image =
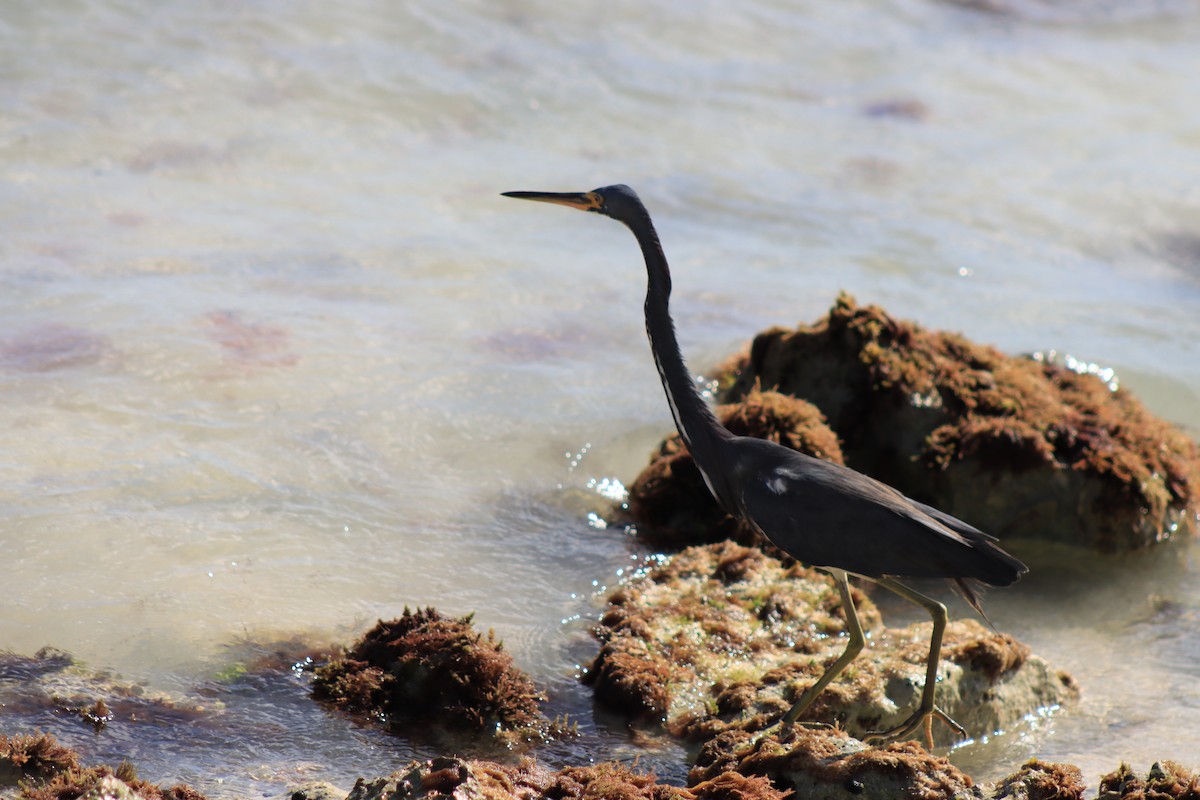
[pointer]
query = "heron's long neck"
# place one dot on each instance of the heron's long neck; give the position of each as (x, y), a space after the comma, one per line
(694, 419)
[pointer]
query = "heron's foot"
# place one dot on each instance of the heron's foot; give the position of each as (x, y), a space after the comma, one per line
(922, 716)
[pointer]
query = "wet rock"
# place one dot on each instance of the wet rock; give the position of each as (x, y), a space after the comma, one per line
(829, 763)
(424, 666)
(1041, 780)
(315, 790)
(670, 503)
(49, 771)
(704, 614)
(460, 779)
(1164, 781)
(723, 637)
(1021, 447)
(736, 766)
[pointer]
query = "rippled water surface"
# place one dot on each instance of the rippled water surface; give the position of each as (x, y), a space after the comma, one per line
(275, 356)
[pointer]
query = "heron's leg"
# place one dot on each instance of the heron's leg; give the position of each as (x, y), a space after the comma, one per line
(853, 648)
(926, 709)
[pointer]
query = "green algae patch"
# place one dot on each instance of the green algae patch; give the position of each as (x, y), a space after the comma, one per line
(724, 637)
(1020, 446)
(670, 503)
(424, 666)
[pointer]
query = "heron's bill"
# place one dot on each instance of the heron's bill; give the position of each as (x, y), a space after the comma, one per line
(586, 201)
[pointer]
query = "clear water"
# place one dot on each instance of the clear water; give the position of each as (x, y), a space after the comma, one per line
(276, 357)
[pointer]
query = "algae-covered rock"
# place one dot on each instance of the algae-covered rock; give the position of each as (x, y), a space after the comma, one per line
(1020, 447)
(46, 770)
(723, 637)
(314, 790)
(467, 779)
(33, 757)
(669, 501)
(707, 615)
(1163, 781)
(1042, 780)
(828, 763)
(426, 666)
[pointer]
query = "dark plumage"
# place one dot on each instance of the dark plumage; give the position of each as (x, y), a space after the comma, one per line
(823, 514)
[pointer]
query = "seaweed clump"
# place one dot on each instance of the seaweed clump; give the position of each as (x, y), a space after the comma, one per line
(36, 757)
(1164, 781)
(829, 763)
(1021, 446)
(1042, 780)
(47, 770)
(669, 501)
(424, 665)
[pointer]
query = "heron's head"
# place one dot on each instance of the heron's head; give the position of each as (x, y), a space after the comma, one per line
(619, 201)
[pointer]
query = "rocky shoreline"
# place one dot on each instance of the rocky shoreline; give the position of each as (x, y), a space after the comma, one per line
(710, 645)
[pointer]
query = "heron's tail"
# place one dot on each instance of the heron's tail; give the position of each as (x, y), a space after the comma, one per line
(971, 593)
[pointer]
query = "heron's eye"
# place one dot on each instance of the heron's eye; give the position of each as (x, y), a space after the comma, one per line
(597, 200)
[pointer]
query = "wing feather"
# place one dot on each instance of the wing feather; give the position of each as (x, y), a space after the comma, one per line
(828, 515)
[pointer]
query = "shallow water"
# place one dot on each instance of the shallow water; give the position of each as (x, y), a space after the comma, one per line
(276, 357)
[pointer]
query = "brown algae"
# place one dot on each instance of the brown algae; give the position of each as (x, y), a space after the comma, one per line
(426, 666)
(725, 637)
(1021, 447)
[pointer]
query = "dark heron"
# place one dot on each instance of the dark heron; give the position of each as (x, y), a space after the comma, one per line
(823, 514)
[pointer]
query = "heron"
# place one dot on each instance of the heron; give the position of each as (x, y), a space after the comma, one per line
(823, 514)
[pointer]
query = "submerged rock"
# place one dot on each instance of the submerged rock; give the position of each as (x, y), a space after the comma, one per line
(424, 666)
(51, 346)
(723, 637)
(50, 684)
(1021, 447)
